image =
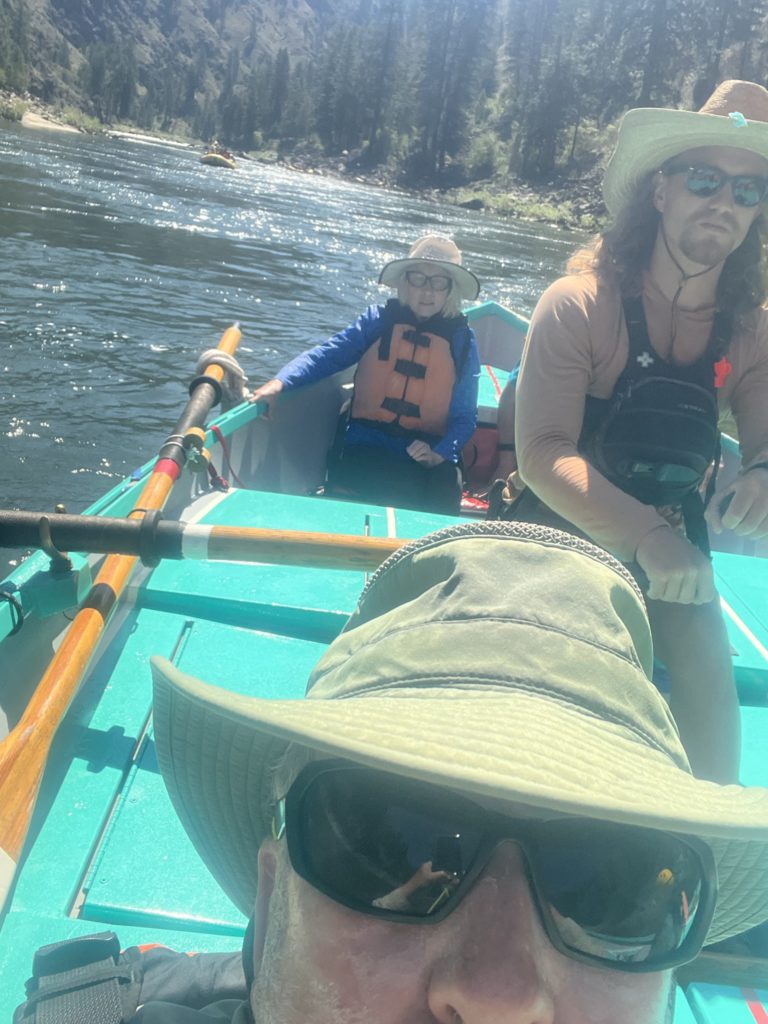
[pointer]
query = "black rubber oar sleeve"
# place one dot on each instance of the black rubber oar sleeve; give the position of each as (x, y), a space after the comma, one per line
(151, 538)
(204, 394)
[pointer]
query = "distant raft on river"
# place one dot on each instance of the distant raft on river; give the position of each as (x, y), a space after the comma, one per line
(217, 157)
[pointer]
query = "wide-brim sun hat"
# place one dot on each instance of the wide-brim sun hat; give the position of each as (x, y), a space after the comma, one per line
(444, 253)
(502, 660)
(735, 115)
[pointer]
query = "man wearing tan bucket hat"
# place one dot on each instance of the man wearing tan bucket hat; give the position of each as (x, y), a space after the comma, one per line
(415, 399)
(658, 333)
(481, 812)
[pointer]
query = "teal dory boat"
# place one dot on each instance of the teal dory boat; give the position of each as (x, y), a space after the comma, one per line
(90, 841)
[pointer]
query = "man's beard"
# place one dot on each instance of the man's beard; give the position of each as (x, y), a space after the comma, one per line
(708, 250)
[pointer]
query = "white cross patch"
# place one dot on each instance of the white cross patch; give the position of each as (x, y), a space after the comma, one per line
(646, 359)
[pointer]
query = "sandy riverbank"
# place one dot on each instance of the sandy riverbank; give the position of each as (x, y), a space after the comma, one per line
(149, 140)
(30, 119)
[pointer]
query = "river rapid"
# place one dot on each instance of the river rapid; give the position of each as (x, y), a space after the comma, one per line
(123, 261)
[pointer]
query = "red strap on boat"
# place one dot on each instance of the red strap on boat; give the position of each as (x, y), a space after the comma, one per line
(494, 380)
(218, 482)
(755, 1004)
(473, 503)
(225, 449)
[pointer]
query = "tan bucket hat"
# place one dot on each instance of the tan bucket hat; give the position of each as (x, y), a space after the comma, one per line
(504, 660)
(735, 115)
(445, 254)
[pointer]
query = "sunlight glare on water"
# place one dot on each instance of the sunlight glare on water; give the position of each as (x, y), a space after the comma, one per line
(123, 261)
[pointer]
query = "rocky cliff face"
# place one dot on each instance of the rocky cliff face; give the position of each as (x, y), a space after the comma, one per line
(170, 33)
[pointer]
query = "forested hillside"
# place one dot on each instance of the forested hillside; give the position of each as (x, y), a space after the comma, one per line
(446, 91)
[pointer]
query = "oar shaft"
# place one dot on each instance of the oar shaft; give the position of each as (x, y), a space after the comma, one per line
(174, 540)
(286, 547)
(24, 752)
(204, 394)
(156, 490)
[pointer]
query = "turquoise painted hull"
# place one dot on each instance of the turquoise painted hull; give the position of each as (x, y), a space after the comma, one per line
(106, 850)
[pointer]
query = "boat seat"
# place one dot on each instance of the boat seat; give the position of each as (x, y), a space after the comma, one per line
(146, 870)
(288, 451)
(743, 587)
(754, 764)
(310, 603)
(500, 335)
(720, 1004)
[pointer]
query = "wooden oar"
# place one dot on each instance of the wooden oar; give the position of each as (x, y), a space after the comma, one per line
(24, 752)
(739, 970)
(154, 538)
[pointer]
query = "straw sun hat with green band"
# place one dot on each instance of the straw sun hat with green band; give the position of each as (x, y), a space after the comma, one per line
(735, 115)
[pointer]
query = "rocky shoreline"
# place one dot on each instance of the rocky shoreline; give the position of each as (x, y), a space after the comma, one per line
(570, 203)
(574, 203)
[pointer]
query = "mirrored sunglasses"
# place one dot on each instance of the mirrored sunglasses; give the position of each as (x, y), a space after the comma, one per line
(704, 181)
(438, 282)
(617, 896)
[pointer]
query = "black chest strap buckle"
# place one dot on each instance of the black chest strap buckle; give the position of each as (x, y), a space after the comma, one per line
(82, 979)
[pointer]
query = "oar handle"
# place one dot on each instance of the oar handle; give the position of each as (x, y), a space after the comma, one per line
(732, 969)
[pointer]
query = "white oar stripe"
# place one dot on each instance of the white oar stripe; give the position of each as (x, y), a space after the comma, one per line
(7, 871)
(391, 522)
(194, 541)
(744, 628)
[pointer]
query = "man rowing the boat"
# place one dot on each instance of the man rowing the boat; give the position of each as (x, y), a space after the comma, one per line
(415, 399)
(658, 330)
(481, 812)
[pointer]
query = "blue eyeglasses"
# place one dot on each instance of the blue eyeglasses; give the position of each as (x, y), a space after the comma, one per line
(704, 181)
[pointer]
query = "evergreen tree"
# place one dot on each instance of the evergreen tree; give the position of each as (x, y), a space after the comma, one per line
(14, 45)
(278, 91)
(456, 43)
(442, 89)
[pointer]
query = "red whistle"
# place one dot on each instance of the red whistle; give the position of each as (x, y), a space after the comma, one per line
(722, 370)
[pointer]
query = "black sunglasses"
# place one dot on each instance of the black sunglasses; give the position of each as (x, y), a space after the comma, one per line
(704, 181)
(438, 282)
(617, 896)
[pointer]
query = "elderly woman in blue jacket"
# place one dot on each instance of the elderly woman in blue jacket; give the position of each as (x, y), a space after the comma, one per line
(415, 397)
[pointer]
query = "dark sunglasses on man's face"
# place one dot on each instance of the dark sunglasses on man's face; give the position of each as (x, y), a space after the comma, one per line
(704, 181)
(615, 896)
(438, 282)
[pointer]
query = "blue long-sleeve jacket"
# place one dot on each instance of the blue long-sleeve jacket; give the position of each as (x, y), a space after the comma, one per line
(346, 348)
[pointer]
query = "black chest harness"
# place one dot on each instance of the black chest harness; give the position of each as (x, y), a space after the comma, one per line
(657, 435)
(88, 980)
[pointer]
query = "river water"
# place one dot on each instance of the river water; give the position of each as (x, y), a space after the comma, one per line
(123, 261)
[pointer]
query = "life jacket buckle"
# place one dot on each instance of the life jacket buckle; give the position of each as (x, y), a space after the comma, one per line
(58, 957)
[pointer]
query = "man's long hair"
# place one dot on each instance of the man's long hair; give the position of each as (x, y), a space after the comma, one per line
(623, 251)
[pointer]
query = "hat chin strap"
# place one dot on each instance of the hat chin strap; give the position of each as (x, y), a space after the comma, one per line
(684, 279)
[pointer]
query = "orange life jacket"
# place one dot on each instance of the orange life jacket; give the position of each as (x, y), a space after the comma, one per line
(405, 380)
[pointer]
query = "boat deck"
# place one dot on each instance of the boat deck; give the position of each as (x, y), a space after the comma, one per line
(257, 629)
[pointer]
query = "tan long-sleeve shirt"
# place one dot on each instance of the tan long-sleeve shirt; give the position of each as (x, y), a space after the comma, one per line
(577, 346)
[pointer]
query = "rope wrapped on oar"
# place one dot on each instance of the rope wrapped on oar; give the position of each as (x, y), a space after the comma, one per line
(234, 384)
(24, 752)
